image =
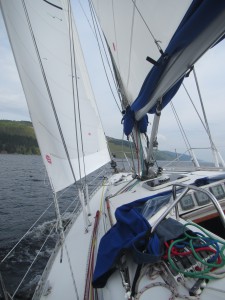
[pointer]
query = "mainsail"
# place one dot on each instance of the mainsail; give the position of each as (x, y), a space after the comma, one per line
(172, 35)
(51, 66)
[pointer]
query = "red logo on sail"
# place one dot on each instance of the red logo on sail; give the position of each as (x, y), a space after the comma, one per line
(48, 158)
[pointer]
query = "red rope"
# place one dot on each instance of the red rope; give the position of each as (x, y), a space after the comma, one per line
(185, 253)
(88, 284)
(109, 212)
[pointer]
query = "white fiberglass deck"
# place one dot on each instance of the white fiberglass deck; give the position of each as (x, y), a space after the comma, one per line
(67, 280)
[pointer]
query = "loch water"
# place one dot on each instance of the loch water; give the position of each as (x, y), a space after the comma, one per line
(25, 193)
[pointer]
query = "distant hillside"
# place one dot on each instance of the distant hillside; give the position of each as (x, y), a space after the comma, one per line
(118, 146)
(19, 137)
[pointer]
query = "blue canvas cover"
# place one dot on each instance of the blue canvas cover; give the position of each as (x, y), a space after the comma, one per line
(207, 180)
(129, 121)
(127, 234)
(143, 124)
(198, 17)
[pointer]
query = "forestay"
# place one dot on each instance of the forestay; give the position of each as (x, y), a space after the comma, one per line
(57, 88)
(173, 34)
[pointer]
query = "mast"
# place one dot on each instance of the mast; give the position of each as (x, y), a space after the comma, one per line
(153, 138)
(172, 45)
(125, 103)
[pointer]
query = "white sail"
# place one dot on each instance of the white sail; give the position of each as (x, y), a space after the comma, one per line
(60, 98)
(172, 34)
(131, 35)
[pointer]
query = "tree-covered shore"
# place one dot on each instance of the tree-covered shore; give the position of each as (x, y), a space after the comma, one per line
(18, 137)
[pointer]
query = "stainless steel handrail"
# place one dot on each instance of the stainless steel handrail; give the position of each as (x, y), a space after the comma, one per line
(184, 192)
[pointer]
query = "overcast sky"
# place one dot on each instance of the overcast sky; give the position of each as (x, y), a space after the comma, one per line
(211, 75)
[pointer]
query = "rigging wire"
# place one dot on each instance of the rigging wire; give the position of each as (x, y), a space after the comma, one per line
(86, 17)
(59, 128)
(188, 146)
(74, 68)
(95, 35)
(122, 94)
(28, 231)
(200, 118)
(43, 213)
(131, 151)
(137, 149)
(114, 27)
(131, 40)
(126, 158)
(203, 110)
(58, 124)
(152, 35)
(95, 24)
(186, 141)
(71, 271)
(216, 155)
(54, 226)
(124, 154)
(38, 253)
(214, 149)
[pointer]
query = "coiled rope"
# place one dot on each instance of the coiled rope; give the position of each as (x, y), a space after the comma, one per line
(197, 243)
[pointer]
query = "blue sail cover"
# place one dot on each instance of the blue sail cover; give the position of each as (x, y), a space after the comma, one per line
(200, 15)
(129, 121)
(207, 180)
(131, 228)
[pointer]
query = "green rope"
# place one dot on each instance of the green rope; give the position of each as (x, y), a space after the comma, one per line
(206, 272)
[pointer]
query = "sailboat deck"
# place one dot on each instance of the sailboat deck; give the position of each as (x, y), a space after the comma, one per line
(70, 276)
